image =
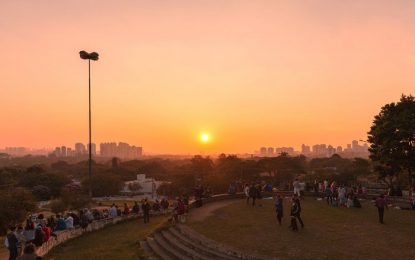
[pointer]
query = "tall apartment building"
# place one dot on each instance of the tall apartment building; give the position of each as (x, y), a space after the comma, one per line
(80, 149)
(305, 149)
(122, 150)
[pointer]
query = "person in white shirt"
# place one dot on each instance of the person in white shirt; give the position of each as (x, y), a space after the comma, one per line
(296, 186)
(246, 191)
(69, 222)
(113, 211)
(342, 196)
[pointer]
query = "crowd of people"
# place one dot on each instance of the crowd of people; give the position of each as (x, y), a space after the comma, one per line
(341, 196)
(38, 229)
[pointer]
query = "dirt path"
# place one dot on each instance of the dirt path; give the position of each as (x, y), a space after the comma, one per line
(199, 214)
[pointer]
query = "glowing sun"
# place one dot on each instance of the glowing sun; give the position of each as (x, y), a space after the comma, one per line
(204, 138)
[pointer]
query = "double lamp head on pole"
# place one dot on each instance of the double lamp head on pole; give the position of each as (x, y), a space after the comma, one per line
(89, 56)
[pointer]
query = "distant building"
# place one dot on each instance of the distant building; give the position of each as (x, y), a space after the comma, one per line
(16, 151)
(63, 151)
(57, 152)
(70, 152)
(320, 150)
(270, 151)
(288, 150)
(142, 185)
(93, 149)
(263, 151)
(80, 149)
(330, 151)
(305, 149)
(122, 150)
(339, 149)
(355, 145)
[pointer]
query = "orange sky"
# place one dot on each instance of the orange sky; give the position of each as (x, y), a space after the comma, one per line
(250, 73)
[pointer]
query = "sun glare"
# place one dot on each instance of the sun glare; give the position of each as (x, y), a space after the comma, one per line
(204, 138)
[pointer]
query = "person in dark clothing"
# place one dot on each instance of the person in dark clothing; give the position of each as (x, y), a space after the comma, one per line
(279, 208)
(84, 219)
(294, 212)
(329, 196)
(298, 215)
(253, 194)
(258, 193)
(380, 203)
(39, 236)
(356, 202)
(145, 207)
(12, 244)
(76, 220)
(198, 193)
(136, 208)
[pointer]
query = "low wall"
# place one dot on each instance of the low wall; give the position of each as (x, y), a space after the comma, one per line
(65, 235)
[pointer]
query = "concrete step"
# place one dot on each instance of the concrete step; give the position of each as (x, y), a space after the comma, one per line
(206, 242)
(213, 245)
(182, 247)
(151, 256)
(198, 246)
(157, 250)
(169, 248)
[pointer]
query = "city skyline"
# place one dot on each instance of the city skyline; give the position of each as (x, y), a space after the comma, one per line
(106, 149)
(82, 149)
(245, 72)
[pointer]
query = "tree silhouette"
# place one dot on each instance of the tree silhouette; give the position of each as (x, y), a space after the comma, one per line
(392, 139)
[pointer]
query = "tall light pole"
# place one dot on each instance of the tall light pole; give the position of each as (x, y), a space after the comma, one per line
(89, 56)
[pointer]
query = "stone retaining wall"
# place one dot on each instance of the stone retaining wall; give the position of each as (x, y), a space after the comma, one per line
(65, 235)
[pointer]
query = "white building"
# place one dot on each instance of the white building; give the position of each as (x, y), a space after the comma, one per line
(147, 186)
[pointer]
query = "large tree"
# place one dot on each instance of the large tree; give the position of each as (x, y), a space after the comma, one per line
(392, 139)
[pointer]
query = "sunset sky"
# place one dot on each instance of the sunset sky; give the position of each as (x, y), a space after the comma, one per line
(248, 73)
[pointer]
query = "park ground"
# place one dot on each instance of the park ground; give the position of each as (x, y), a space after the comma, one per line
(329, 233)
(119, 241)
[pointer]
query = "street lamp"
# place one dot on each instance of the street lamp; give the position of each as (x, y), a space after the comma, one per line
(89, 56)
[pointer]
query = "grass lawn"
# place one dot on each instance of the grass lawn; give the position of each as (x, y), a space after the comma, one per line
(330, 233)
(119, 241)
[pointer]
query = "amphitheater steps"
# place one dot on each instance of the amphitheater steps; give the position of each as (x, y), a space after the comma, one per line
(182, 242)
(156, 250)
(197, 246)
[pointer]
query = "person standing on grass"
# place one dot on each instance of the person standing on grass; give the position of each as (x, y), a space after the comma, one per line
(381, 203)
(146, 211)
(298, 215)
(11, 242)
(246, 191)
(296, 186)
(294, 212)
(279, 207)
(329, 196)
(253, 194)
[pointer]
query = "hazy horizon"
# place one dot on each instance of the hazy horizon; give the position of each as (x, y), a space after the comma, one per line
(247, 73)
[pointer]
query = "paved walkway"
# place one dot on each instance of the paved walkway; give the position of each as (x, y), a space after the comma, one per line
(199, 214)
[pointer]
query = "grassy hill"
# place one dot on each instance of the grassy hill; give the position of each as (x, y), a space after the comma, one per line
(329, 233)
(120, 241)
